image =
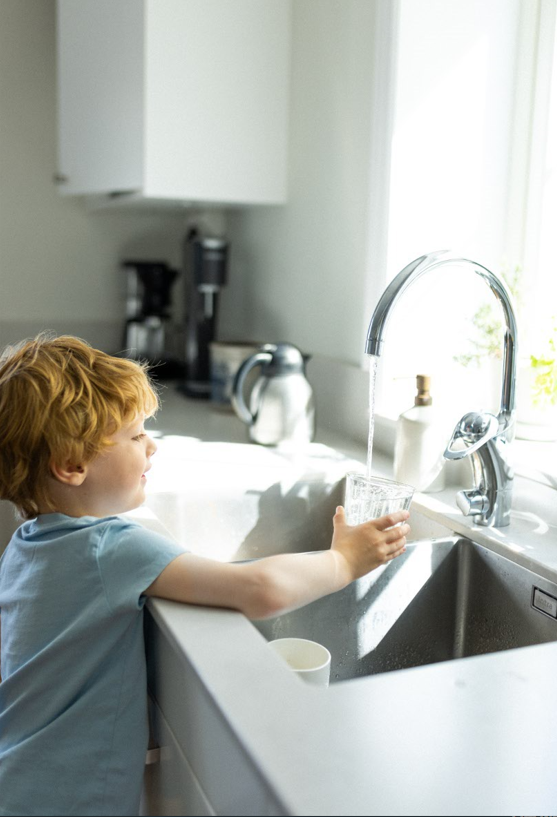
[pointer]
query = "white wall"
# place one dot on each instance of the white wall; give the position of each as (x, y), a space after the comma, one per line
(59, 264)
(298, 270)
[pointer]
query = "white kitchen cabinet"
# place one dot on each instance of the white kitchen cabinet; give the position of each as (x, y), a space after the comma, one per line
(182, 100)
(170, 786)
(203, 767)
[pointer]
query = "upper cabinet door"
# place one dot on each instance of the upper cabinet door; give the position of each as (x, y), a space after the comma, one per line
(174, 99)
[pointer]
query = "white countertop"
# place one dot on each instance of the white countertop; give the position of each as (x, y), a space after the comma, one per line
(472, 736)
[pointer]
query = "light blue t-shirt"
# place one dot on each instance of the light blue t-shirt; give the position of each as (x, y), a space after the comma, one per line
(73, 717)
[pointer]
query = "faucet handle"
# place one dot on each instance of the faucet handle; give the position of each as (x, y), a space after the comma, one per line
(472, 503)
(475, 428)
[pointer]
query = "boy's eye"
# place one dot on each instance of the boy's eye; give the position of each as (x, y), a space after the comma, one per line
(139, 436)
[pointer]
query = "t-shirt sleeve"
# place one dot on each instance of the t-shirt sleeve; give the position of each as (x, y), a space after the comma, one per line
(130, 558)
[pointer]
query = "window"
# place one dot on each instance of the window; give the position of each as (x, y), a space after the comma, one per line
(471, 84)
(540, 212)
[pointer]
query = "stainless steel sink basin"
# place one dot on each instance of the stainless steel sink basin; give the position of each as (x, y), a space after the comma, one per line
(443, 599)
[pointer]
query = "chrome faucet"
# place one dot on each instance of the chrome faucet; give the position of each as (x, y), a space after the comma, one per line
(480, 435)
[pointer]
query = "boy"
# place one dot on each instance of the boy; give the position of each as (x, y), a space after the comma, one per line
(75, 577)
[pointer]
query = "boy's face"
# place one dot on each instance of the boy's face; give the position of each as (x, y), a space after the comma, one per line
(115, 481)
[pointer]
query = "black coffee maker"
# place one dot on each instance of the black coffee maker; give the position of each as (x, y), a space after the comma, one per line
(205, 268)
(149, 329)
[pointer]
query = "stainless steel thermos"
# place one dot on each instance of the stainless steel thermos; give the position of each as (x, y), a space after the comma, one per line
(281, 404)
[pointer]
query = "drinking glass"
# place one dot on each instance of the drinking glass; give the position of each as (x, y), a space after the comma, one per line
(371, 497)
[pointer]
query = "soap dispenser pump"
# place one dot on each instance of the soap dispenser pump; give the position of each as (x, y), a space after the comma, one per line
(420, 442)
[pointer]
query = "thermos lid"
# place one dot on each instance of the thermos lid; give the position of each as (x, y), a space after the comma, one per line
(285, 359)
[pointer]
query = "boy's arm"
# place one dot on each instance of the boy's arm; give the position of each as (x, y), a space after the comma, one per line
(273, 585)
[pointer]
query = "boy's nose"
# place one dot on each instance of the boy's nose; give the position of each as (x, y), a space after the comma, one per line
(151, 447)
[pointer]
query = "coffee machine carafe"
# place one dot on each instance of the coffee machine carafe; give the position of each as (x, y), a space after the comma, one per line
(148, 323)
(205, 264)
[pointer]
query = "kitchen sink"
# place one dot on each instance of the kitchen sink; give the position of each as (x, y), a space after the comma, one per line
(444, 599)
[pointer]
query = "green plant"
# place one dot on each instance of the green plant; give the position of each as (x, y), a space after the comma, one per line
(486, 341)
(544, 382)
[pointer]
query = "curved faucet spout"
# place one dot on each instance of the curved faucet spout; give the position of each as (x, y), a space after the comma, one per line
(410, 273)
(419, 267)
(486, 438)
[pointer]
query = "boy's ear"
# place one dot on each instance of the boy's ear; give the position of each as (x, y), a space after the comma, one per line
(68, 473)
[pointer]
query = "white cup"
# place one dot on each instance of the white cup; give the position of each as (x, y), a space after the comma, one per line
(308, 659)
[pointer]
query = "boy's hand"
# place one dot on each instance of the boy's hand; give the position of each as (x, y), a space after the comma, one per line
(367, 546)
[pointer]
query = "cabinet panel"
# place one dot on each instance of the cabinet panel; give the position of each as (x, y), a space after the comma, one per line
(221, 131)
(170, 786)
(229, 777)
(100, 95)
(183, 100)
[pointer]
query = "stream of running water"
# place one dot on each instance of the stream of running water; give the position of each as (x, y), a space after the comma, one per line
(372, 377)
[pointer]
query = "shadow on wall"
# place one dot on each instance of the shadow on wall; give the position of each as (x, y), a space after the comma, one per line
(8, 523)
(241, 523)
(297, 521)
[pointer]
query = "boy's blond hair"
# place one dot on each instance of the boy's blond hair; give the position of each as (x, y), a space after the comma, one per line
(60, 400)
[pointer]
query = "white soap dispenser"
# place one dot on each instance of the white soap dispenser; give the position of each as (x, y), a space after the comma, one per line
(420, 442)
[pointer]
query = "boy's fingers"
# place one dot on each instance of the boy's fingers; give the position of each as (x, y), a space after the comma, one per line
(339, 516)
(390, 520)
(394, 534)
(401, 547)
